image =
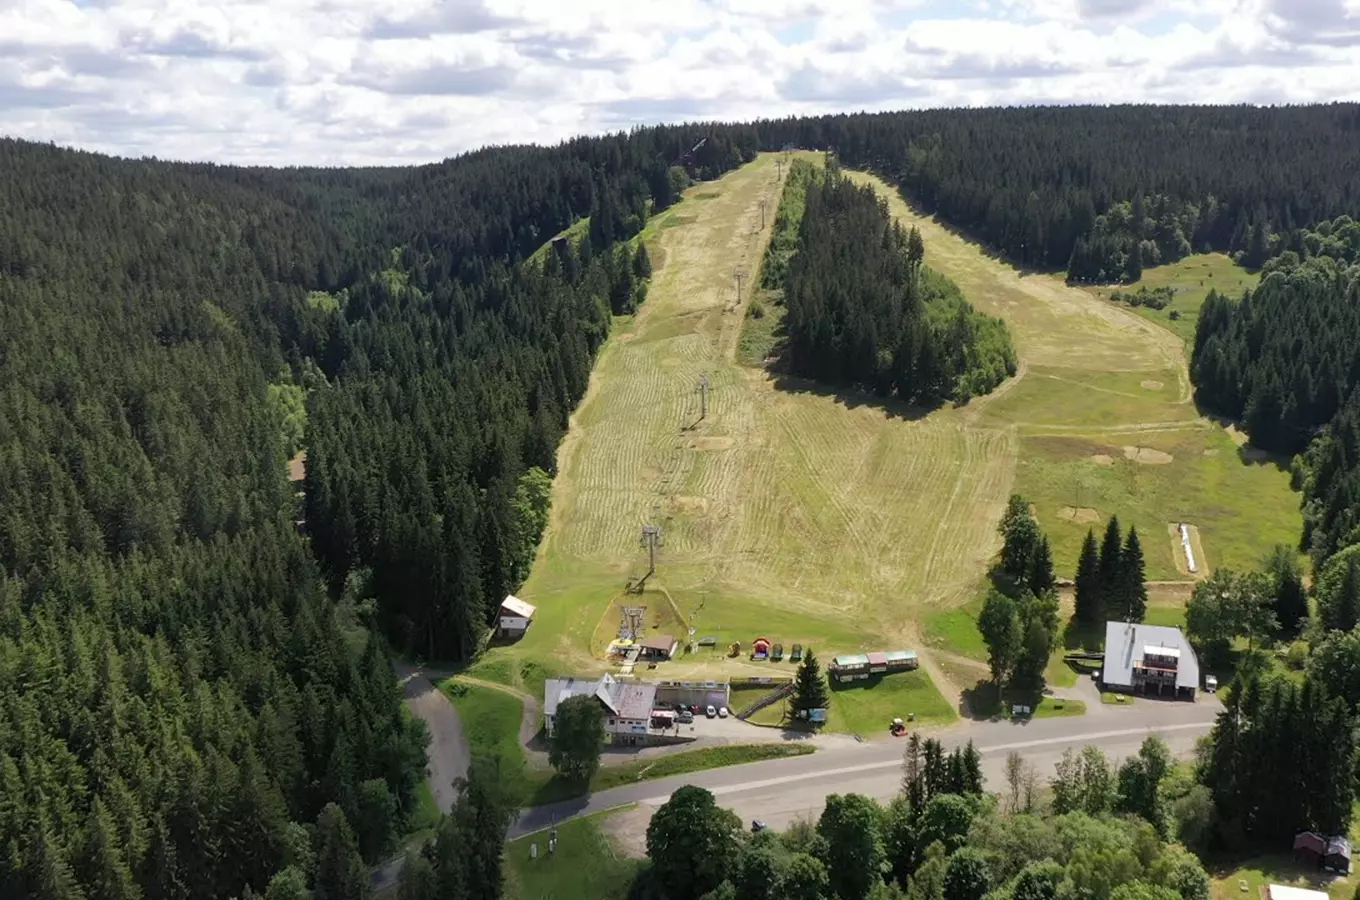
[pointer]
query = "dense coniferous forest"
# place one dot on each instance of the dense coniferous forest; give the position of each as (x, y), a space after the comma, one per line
(1102, 191)
(863, 310)
(194, 699)
(180, 693)
(1284, 360)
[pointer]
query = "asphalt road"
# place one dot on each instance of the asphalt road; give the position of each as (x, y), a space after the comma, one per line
(448, 745)
(780, 791)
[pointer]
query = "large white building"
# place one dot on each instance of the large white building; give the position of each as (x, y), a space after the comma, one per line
(627, 704)
(1149, 659)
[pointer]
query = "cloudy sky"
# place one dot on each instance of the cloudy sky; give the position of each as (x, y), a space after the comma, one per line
(392, 81)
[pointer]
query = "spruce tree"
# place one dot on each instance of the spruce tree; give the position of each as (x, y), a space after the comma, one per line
(1041, 579)
(1111, 551)
(1089, 607)
(809, 691)
(340, 871)
(1132, 588)
(1347, 600)
(642, 263)
(1290, 602)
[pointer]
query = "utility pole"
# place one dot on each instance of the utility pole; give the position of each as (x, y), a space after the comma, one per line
(763, 201)
(739, 274)
(651, 538)
(703, 397)
(778, 169)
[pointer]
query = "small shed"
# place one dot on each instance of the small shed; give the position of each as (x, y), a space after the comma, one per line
(850, 666)
(1310, 848)
(658, 647)
(901, 660)
(1338, 857)
(515, 617)
(760, 648)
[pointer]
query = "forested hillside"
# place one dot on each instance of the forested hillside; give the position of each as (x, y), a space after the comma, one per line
(1102, 191)
(1284, 359)
(180, 692)
(864, 310)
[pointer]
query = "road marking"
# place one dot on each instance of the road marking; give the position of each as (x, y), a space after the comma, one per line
(896, 763)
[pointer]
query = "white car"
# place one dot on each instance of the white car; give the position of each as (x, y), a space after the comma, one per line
(1210, 684)
(722, 712)
(710, 711)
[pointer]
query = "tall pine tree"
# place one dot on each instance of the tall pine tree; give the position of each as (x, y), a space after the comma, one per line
(1132, 589)
(1041, 579)
(809, 691)
(1111, 555)
(1090, 610)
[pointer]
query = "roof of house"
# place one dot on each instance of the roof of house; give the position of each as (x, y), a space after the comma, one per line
(517, 607)
(878, 658)
(634, 700)
(900, 655)
(851, 659)
(555, 690)
(1154, 650)
(1125, 642)
(658, 642)
(1338, 846)
(1284, 892)
(1311, 841)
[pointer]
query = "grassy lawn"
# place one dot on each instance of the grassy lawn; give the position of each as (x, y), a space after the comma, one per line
(744, 695)
(584, 866)
(1192, 278)
(761, 333)
(425, 816)
(982, 704)
(548, 787)
(955, 630)
(490, 721)
(1242, 508)
(1173, 616)
(1058, 672)
(868, 707)
(816, 516)
(1259, 871)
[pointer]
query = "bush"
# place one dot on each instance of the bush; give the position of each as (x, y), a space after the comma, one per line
(1297, 656)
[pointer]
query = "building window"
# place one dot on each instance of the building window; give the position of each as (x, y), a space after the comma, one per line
(611, 721)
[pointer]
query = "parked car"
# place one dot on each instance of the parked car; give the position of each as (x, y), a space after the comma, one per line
(710, 711)
(758, 825)
(684, 717)
(722, 712)
(1210, 684)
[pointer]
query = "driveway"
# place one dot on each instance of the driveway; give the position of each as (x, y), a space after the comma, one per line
(448, 745)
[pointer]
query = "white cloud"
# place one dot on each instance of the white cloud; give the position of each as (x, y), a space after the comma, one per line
(391, 81)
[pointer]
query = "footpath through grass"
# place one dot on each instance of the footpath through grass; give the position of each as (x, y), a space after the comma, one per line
(585, 865)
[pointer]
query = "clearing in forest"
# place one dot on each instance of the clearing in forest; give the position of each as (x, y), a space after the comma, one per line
(811, 515)
(800, 514)
(1104, 414)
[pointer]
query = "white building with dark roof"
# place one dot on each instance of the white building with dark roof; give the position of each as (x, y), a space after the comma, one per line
(1154, 660)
